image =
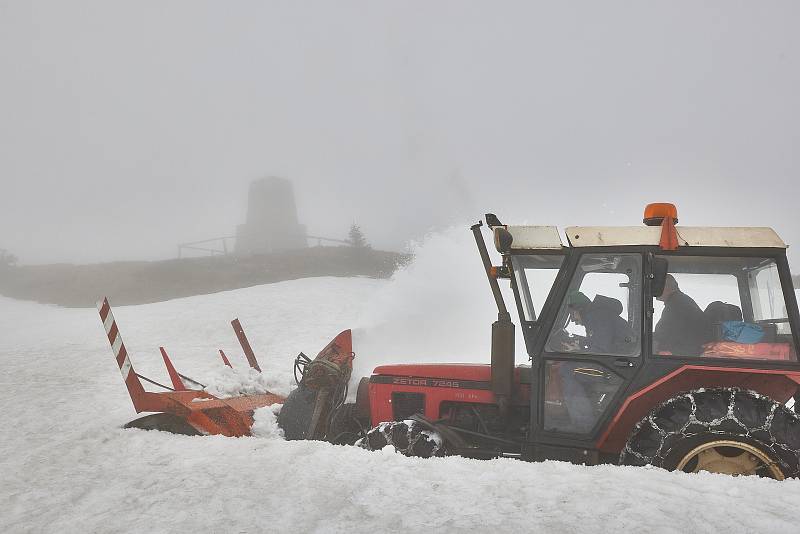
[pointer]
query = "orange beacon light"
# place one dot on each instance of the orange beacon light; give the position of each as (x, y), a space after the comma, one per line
(654, 214)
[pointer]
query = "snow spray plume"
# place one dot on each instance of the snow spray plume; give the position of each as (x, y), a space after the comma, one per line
(439, 308)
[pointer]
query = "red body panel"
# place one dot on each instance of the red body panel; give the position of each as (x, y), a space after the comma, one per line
(467, 383)
(777, 384)
(470, 383)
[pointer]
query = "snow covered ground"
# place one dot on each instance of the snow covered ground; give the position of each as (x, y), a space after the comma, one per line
(67, 466)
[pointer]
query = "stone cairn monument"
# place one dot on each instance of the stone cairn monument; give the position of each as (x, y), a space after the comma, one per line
(271, 223)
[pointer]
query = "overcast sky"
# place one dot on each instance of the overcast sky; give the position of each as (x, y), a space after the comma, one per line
(128, 127)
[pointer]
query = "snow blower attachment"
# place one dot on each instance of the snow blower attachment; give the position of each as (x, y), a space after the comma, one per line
(322, 389)
(194, 411)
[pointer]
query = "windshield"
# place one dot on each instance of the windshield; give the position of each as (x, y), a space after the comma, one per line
(534, 275)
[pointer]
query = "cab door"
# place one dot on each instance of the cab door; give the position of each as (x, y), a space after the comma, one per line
(594, 345)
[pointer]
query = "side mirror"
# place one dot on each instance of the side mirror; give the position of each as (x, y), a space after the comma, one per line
(502, 240)
(659, 276)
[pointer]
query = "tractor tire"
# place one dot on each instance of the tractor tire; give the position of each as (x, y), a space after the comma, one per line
(720, 430)
(295, 416)
(407, 437)
(164, 422)
(345, 428)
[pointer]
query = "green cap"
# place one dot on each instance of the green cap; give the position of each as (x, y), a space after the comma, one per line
(576, 299)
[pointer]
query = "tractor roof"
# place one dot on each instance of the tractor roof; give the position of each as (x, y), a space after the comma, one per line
(548, 237)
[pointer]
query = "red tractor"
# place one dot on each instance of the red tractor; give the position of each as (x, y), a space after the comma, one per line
(661, 345)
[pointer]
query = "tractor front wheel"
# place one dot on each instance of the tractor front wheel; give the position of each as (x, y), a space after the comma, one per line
(346, 427)
(406, 437)
(721, 430)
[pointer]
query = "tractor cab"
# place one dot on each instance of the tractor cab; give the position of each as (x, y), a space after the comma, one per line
(614, 310)
(636, 336)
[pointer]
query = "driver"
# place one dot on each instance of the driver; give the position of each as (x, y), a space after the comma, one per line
(606, 331)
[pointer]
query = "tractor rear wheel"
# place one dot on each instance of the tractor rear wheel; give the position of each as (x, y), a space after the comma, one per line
(164, 422)
(721, 430)
(407, 437)
(731, 457)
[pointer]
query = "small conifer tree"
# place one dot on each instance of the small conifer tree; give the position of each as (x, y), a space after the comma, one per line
(356, 237)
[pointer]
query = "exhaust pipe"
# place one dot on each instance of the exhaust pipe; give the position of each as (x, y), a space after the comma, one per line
(502, 334)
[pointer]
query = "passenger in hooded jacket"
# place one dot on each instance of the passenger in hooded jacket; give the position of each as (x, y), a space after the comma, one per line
(683, 327)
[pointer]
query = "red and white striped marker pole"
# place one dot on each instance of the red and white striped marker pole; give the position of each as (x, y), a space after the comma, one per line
(135, 389)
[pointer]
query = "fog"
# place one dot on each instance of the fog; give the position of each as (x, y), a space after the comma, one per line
(128, 127)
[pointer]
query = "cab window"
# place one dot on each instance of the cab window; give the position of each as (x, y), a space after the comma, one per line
(534, 276)
(600, 313)
(723, 307)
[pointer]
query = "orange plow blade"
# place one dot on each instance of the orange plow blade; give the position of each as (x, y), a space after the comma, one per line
(202, 411)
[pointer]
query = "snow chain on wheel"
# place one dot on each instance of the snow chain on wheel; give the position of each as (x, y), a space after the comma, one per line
(725, 430)
(407, 437)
